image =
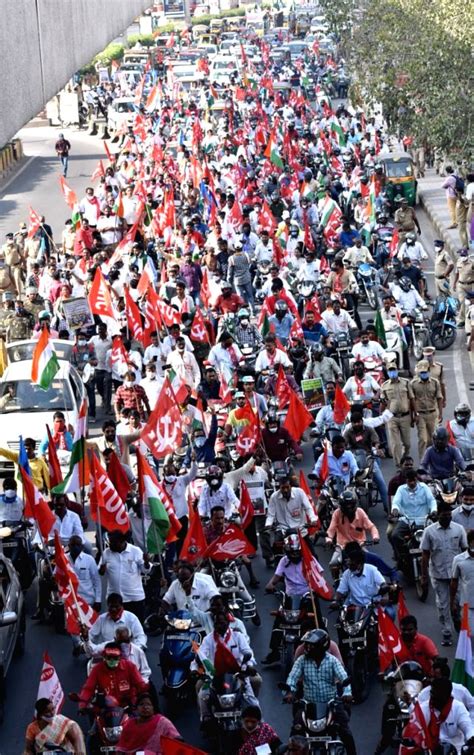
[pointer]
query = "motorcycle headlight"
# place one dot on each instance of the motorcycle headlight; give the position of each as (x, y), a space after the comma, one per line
(227, 701)
(291, 616)
(354, 628)
(418, 535)
(113, 733)
(317, 724)
(228, 579)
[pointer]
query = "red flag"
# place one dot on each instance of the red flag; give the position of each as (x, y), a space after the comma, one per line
(173, 747)
(50, 686)
(144, 283)
(35, 506)
(77, 611)
(341, 406)
(205, 293)
(55, 474)
(246, 509)
(313, 572)
(168, 314)
(225, 394)
(324, 471)
(417, 731)
(68, 193)
(298, 417)
(393, 246)
(110, 157)
(224, 660)
(99, 172)
(106, 506)
(282, 389)
(100, 300)
(303, 484)
(266, 219)
(163, 432)
(402, 609)
(64, 574)
(170, 42)
(248, 439)
(245, 412)
(34, 222)
(389, 640)
(118, 476)
(198, 331)
(231, 544)
(134, 318)
(296, 331)
(194, 543)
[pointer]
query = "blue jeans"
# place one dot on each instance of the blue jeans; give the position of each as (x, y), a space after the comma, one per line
(245, 290)
(381, 486)
(64, 162)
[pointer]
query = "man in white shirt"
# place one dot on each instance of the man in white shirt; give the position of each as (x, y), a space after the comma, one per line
(189, 589)
(154, 353)
(124, 565)
(184, 364)
(130, 650)
(169, 341)
(337, 320)
(367, 349)
(152, 384)
(89, 207)
(104, 628)
(357, 254)
(102, 343)
(87, 572)
(446, 718)
(67, 523)
(270, 357)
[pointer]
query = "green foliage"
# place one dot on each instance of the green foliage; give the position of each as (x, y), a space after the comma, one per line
(112, 52)
(147, 40)
(416, 59)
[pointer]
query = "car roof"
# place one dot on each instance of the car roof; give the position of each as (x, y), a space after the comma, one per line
(16, 371)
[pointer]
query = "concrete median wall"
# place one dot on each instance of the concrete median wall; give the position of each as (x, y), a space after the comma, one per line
(44, 42)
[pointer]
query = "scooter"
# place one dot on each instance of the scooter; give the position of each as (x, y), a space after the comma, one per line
(443, 322)
(176, 655)
(108, 719)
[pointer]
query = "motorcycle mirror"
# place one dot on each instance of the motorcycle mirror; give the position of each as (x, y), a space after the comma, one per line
(7, 618)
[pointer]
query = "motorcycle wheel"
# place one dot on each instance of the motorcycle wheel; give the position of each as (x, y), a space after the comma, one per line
(419, 343)
(359, 676)
(288, 658)
(372, 298)
(336, 749)
(443, 338)
(421, 590)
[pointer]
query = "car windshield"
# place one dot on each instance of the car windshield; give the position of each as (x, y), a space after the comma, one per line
(23, 396)
(398, 169)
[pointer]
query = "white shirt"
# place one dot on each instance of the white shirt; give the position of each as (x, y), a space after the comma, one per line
(177, 490)
(458, 726)
(369, 386)
(264, 361)
(169, 343)
(460, 693)
(124, 572)
(235, 641)
(203, 589)
(11, 509)
(151, 352)
(87, 572)
(372, 350)
(104, 628)
(101, 347)
(224, 496)
(66, 527)
(186, 367)
(340, 323)
(133, 653)
(152, 389)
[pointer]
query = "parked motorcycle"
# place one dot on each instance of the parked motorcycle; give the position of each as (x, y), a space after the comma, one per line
(443, 322)
(176, 655)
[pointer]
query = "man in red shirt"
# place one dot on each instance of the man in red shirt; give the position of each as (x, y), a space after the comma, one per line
(113, 676)
(131, 396)
(83, 239)
(416, 647)
(228, 301)
(279, 294)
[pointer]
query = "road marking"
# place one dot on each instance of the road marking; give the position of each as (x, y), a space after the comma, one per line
(3, 187)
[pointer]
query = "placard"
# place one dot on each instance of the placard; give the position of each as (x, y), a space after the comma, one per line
(313, 393)
(77, 313)
(257, 496)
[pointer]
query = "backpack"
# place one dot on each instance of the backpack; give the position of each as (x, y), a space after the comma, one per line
(459, 184)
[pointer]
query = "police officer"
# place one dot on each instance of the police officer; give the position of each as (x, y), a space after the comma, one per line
(443, 267)
(7, 310)
(436, 369)
(20, 324)
(428, 404)
(11, 254)
(463, 281)
(397, 396)
(32, 301)
(405, 221)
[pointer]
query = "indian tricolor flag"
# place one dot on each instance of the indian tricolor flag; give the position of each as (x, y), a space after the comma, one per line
(45, 362)
(462, 667)
(157, 520)
(338, 132)
(272, 153)
(79, 470)
(329, 208)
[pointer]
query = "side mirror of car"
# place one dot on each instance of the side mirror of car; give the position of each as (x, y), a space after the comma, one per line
(7, 618)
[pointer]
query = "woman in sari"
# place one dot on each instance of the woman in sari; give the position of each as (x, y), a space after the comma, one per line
(144, 732)
(49, 728)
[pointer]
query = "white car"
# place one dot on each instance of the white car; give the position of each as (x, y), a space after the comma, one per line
(221, 69)
(121, 110)
(26, 409)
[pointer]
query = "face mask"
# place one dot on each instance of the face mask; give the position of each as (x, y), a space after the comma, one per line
(393, 374)
(199, 442)
(273, 429)
(81, 342)
(10, 494)
(461, 420)
(359, 373)
(424, 375)
(170, 478)
(151, 375)
(75, 550)
(466, 507)
(214, 482)
(128, 383)
(331, 395)
(244, 323)
(48, 718)
(112, 662)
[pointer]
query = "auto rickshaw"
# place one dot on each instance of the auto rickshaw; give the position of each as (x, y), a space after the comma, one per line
(399, 170)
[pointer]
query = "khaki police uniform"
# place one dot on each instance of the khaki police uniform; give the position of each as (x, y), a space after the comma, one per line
(442, 262)
(436, 371)
(465, 282)
(19, 327)
(397, 395)
(11, 254)
(405, 222)
(427, 394)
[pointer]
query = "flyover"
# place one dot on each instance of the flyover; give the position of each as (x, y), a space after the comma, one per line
(44, 42)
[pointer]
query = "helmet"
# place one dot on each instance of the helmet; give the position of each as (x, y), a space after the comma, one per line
(348, 498)
(411, 236)
(463, 411)
(44, 315)
(292, 544)
(317, 348)
(318, 639)
(281, 306)
(405, 283)
(226, 285)
(243, 313)
(214, 473)
(441, 434)
(410, 670)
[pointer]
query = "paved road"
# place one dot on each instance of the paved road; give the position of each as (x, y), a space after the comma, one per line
(37, 185)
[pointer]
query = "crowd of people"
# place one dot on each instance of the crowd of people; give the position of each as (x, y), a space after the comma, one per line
(219, 251)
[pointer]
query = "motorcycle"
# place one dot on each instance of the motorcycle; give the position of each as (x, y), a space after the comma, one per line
(54, 608)
(357, 629)
(419, 332)
(176, 655)
(316, 722)
(364, 485)
(394, 340)
(402, 692)
(226, 700)
(329, 500)
(108, 718)
(247, 365)
(366, 278)
(293, 612)
(227, 578)
(318, 445)
(446, 490)
(443, 322)
(409, 561)
(15, 545)
(343, 344)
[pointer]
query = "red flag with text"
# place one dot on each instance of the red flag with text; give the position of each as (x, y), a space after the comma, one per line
(76, 610)
(134, 318)
(231, 544)
(100, 300)
(106, 506)
(49, 685)
(36, 506)
(313, 572)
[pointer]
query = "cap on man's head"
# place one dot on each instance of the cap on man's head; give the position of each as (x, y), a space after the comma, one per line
(428, 351)
(31, 290)
(422, 366)
(239, 394)
(8, 296)
(248, 379)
